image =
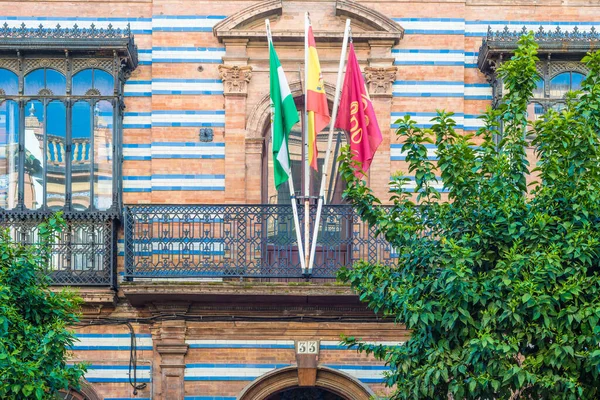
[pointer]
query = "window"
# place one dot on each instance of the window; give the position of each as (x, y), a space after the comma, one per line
(61, 107)
(333, 188)
(67, 140)
(550, 92)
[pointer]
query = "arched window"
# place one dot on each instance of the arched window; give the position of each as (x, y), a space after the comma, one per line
(552, 95)
(563, 83)
(334, 186)
(67, 141)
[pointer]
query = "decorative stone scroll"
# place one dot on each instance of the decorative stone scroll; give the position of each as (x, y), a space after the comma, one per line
(235, 79)
(380, 80)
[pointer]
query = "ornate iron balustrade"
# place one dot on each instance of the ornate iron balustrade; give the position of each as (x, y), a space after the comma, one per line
(83, 255)
(241, 241)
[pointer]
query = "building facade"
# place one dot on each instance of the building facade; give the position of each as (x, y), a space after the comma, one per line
(147, 122)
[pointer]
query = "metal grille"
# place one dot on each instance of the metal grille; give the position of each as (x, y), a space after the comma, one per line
(83, 254)
(242, 241)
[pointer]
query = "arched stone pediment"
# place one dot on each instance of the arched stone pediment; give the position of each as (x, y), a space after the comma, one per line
(367, 24)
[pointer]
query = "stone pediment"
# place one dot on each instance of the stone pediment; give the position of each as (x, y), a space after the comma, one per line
(327, 18)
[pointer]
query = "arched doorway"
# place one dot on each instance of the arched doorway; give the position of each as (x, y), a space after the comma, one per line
(305, 394)
(331, 383)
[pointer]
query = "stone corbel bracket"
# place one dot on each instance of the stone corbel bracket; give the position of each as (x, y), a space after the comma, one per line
(380, 80)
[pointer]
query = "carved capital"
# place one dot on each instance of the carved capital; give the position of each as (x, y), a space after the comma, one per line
(380, 80)
(235, 79)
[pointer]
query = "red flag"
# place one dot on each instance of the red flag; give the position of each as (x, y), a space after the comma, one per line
(356, 114)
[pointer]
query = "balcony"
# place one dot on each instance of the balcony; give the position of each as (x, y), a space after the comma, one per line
(241, 241)
(85, 252)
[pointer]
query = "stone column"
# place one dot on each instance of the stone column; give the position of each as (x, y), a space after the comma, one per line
(254, 154)
(235, 89)
(379, 84)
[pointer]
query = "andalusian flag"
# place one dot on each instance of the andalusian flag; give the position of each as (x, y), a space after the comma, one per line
(316, 103)
(283, 117)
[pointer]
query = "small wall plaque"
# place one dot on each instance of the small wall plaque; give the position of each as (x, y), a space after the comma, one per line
(307, 347)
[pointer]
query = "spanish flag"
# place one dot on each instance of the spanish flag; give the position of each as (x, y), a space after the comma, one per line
(316, 101)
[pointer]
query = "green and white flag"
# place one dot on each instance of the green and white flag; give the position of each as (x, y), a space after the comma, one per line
(283, 117)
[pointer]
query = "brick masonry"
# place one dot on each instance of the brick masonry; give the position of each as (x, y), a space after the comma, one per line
(177, 89)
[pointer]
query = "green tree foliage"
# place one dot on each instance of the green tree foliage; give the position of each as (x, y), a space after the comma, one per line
(34, 339)
(499, 285)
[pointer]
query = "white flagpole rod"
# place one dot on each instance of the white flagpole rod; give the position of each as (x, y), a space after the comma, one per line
(290, 178)
(313, 246)
(306, 166)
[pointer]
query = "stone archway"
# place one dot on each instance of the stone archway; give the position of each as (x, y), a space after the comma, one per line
(328, 379)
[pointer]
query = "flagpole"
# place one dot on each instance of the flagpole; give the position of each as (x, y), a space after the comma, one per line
(313, 246)
(290, 179)
(306, 166)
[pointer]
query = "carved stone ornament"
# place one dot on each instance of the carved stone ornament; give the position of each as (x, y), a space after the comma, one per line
(235, 79)
(380, 80)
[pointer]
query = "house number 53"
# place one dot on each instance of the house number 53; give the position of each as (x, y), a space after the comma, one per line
(307, 347)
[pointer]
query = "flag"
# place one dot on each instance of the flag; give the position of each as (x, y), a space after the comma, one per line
(316, 102)
(356, 114)
(283, 117)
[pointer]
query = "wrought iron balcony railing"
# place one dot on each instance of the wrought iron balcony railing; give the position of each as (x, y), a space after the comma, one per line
(256, 241)
(83, 255)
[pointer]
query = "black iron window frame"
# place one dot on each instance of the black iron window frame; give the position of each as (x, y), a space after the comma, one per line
(90, 233)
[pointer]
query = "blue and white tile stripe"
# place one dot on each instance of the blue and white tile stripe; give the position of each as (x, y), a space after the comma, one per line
(137, 120)
(173, 150)
(188, 118)
(269, 344)
(478, 91)
(411, 184)
(396, 153)
(180, 182)
(138, 88)
(473, 122)
(428, 89)
(187, 86)
(185, 23)
(432, 26)
(137, 184)
(240, 344)
(109, 341)
(116, 373)
(471, 59)
(480, 28)
(250, 372)
(188, 54)
(441, 57)
(138, 25)
(423, 119)
(145, 56)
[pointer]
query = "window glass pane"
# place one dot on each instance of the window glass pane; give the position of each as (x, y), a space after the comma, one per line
(80, 156)
(56, 134)
(34, 155)
(82, 82)
(560, 85)
(559, 107)
(539, 90)
(576, 80)
(34, 81)
(56, 82)
(9, 82)
(9, 153)
(534, 111)
(104, 82)
(103, 162)
(282, 196)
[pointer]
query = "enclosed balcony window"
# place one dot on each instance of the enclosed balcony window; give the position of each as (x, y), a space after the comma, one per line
(61, 110)
(68, 141)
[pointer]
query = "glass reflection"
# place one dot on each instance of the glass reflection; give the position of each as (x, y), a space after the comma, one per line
(34, 155)
(80, 155)
(534, 111)
(9, 154)
(45, 78)
(539, 90)
(560, 84)
(34, 82)
(56, 140)
(576, 80)
(56, 82)
(9, 82)
(104, 82)
(103, 160)
(82, 82)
